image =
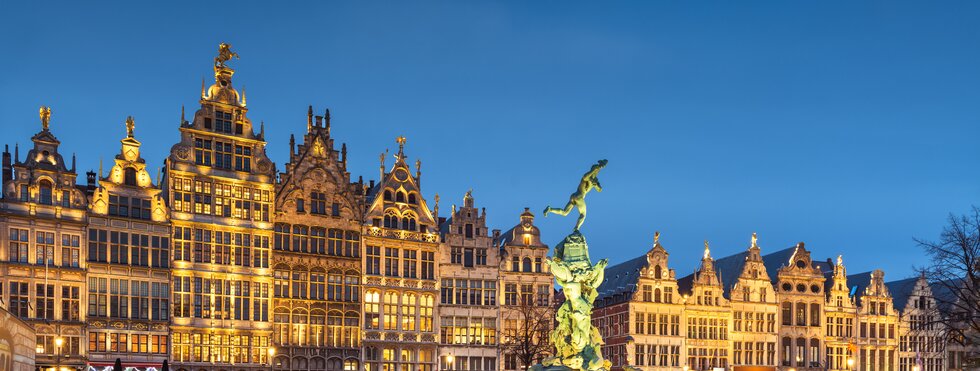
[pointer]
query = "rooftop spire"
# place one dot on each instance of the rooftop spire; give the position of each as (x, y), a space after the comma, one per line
(45, 113)
(707, 250)
(309, 118)
(326, 120)
(755, 240)
(182, 120)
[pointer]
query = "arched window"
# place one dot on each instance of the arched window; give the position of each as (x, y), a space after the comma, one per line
(658, 272)
(408, 222)
(300, 363)
(787, 313)
(801, 314)
(800, 352)
(44, 196)
(527, 265)
(335, 329)
(319, 363)
(787, 350)
(656, 295)
(411, 199)
(372, 309)
(391, 219)
(400, 196)
(352, 330)
(316, 327)
(814, 314)
(281, 327)
(335, 364)
(409, 302)
(391, 311)
(129, 176)
(387, 196)
(426, 303)
(300, 327)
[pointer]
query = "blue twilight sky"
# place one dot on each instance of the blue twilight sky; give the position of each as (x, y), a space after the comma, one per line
(851, 126)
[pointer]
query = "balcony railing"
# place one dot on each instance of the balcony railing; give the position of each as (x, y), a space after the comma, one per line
(403, 234)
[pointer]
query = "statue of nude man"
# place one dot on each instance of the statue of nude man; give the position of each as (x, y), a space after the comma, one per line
(589, 181)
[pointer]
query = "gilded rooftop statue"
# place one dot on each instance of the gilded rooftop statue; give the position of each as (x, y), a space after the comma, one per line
(224, 54)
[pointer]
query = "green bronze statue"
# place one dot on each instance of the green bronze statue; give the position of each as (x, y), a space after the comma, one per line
(577, 342)
(589, 181)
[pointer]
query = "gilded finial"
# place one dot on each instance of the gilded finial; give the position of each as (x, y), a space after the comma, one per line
(401, 146)
(707, 250)
(130, 125)
(656, 238)
(243, 96)
(840, 260)
(45, 114)
(203, 91)
(755, 240)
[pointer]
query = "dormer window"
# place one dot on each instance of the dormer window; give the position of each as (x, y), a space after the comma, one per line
(400, 197)
(44, 196)
(411, 199)
(129, 176)
(25, 193)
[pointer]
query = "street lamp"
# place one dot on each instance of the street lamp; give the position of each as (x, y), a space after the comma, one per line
(449, 361)
(850, 363)
(58, 342)
(272, 353)
(686, 367)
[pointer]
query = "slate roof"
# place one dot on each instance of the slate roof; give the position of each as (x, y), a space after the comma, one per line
(621, 279)
(858, 282)
(901, 290)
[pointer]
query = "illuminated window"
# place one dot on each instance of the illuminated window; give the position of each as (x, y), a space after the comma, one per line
(391, 311)
(372, 309)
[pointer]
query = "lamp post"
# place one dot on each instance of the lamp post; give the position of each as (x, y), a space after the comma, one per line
(850, 363)
(58, 342)
(686, 367)
(272, 353)
(449, 361)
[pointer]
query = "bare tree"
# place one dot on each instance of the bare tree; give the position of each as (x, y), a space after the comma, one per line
(527, 336)
(953, 272)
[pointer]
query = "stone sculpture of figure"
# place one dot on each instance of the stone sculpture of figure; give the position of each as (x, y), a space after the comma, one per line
(577, 342)
(224, 54)
(577, 200)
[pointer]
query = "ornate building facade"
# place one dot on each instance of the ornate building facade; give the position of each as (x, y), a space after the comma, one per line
(801, 300)
(316, 259)
(400, 242)
(469, 275)
(226, 264)
(528, 287)
(219, 185)
(42, 263)
(128, 258)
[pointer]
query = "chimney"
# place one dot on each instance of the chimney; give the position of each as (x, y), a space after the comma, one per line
(371, 184)
(8, 171)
